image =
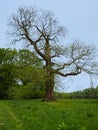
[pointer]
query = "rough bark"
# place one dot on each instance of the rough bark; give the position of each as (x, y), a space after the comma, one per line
(49, 76)
(49, 90)
(49, 95)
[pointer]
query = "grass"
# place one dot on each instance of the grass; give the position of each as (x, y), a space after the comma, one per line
(61, 115)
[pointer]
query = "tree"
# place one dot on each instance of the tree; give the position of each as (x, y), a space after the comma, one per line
(42, 30)
(28, 67)
(29, 71)
(7, 58)
(18, 71)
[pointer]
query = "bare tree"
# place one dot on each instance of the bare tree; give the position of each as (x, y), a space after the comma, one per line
(42, 30)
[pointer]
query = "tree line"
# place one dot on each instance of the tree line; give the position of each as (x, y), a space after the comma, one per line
(88, 93)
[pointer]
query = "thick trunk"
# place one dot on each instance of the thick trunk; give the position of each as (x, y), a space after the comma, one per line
(49, 79)
(49, 91)
(48, 94)
(49, 76)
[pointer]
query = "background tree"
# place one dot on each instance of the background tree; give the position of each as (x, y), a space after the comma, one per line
(18, 72)
(29, 72)
(27, 65)
(42, 30)
(7, 59)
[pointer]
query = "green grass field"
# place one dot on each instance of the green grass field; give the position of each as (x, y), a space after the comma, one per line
(61, 115)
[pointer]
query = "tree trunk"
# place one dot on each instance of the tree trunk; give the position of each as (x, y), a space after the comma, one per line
(49, 75)
(48, 94)
(49, 91)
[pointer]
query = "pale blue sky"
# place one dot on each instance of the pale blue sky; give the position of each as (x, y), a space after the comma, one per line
(80, 17)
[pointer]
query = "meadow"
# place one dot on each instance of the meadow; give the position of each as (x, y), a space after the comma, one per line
(69, 114)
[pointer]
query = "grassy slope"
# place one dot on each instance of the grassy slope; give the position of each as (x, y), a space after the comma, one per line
(36, 115)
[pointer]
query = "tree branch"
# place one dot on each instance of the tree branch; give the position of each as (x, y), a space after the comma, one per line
(68, 74)
(34, 43)
(76, 72)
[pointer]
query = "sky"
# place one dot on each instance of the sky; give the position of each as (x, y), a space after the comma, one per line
(80, 17)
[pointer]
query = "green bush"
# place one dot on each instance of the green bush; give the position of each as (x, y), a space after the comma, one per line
(24, 92)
